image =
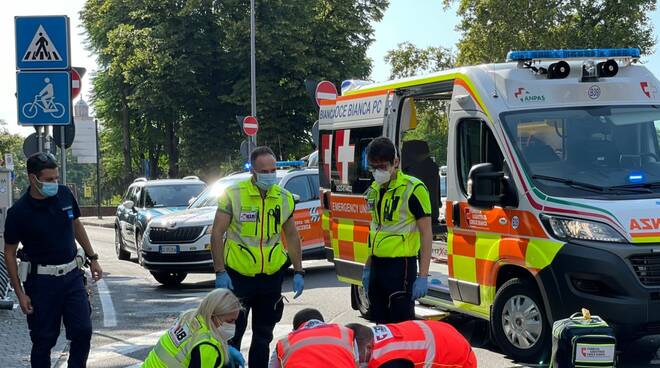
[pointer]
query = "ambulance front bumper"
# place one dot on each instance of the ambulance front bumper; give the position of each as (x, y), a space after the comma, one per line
(607, 280)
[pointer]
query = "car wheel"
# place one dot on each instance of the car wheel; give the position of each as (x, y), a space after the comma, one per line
(361, 301)
(519, 322)
(138, 249)
(169, 278)
(122, 254)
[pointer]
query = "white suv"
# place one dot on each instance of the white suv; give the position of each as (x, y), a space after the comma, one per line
(179, 243)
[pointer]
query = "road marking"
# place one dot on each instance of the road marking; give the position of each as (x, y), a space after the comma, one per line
(109, 318)
(120, 349)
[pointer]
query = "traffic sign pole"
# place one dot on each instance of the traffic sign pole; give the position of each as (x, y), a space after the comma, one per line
(63, 147)
(253, 78)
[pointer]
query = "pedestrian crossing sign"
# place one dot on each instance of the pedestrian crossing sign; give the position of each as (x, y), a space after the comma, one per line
(42, 42)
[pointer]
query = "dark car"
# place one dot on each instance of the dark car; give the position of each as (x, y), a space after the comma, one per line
(145, 200)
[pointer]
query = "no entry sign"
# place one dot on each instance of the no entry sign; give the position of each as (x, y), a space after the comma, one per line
(325, 91)
(75, 83)
(250, 126)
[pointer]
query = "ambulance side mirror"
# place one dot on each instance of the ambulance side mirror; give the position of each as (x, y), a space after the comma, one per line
(296, 198)
(485, 187)
(129, 205)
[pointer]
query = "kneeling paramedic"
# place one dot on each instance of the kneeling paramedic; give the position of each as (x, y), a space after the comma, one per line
(314, 343)
(400, 230)
(199, 338)
(49, 282)
(251, 262)
(413, 344)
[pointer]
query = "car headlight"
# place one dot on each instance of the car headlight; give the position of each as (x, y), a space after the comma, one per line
(571, 228)
(209, 230)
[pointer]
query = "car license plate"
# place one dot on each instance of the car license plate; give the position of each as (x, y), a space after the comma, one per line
(169, 249)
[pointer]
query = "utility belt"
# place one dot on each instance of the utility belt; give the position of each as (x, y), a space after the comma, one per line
(26, 268)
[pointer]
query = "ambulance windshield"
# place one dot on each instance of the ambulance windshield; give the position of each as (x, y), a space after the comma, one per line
(589, 151)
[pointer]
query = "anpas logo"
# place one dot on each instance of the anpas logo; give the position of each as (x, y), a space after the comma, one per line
(645, 224)
(648, 89)
(524, 96)
(584, 352)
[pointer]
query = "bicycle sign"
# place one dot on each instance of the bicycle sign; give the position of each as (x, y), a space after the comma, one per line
(44, 98)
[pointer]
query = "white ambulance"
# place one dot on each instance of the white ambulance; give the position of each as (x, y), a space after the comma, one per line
(553, 189)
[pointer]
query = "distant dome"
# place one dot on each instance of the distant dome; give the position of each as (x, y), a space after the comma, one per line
(81, 109)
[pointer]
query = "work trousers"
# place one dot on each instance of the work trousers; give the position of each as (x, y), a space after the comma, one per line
(390, 289)
(261, 294)
(57, 299)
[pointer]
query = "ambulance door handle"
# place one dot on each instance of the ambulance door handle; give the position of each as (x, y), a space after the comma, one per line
(456, 214)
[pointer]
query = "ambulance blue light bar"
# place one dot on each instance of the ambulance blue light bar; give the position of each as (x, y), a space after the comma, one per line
(290, 163)
(573, 54)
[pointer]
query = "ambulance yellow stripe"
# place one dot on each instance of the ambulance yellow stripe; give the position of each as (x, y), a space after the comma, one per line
(541, 252)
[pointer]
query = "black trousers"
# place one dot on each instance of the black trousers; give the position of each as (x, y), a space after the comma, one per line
(57, 299)
(390, 289)
(261, 294)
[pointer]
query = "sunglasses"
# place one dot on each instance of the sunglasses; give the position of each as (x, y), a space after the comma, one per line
(44, 157)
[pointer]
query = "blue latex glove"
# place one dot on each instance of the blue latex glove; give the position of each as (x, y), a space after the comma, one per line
(365, 279)
(235, 357)
(298, 284)
(222, 281)
(420, 287)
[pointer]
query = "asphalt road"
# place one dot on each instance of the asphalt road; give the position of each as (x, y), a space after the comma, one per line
(131, 309)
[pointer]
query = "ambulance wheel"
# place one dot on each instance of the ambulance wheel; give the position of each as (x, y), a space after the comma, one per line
(122, 254)
(361, 301)
(519, 323)
(169, 278)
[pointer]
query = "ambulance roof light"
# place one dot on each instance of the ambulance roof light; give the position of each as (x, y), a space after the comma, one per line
(526, 55)
(290, 164)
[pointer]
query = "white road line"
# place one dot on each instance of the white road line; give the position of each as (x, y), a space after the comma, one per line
(109, 318)
(122, 348)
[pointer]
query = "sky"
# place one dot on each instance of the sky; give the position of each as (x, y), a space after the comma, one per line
(422, 22)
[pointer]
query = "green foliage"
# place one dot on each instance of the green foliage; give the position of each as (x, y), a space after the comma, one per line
(13, 143)
(491, 28)
(407, 60)
(173, 76)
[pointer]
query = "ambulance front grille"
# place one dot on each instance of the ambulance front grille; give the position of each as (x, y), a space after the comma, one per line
(647, 268)
(163, 235)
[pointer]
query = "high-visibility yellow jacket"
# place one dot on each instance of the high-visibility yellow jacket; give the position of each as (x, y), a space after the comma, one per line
(394, 231)
(253, 244)
(175, 347)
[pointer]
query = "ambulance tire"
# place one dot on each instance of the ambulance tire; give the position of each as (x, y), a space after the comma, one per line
(122, 253)
(517, 288)
(169, 278)
(360, 301)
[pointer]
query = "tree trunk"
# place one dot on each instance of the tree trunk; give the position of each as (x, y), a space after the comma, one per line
(126, 144)
(172, 152)
(154, 154)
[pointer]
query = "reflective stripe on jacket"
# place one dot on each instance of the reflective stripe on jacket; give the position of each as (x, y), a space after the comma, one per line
(424, 343)
(175, 346)
(253, 245)
(323, 345)
(394, 231)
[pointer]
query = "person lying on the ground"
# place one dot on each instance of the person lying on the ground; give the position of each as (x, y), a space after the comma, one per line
(198, 339)
(314, 343)
(412, 344)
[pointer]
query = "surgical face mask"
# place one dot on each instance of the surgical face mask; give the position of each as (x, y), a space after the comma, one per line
(381, 176)
(47, 189)
(227, 330)
(266, 180)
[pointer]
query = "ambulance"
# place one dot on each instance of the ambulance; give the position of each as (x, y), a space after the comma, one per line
(552, 189)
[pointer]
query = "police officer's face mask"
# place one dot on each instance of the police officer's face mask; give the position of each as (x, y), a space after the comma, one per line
(47, 189)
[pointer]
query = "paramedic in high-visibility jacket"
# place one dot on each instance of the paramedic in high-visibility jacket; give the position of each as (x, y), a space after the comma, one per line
(412, 344)
(253, 214)
(399, 235)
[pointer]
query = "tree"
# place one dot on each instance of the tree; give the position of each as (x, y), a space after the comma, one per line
(13, 143)
(406, 60)
(492, 28)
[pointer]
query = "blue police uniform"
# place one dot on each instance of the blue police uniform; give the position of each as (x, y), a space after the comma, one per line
(45, 229)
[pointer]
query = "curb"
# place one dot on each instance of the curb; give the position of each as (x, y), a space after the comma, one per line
(105, 225)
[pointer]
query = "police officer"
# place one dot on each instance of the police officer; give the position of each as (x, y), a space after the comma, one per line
(400, 230)
(251, 261)
(45, 220)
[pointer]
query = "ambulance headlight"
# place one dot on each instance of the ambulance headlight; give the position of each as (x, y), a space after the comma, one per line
(566, 228)
(209, 230)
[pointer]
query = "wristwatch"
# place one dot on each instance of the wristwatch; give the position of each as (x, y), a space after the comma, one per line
(93, 257)
(301, 272)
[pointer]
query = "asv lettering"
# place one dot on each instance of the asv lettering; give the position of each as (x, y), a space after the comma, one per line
(645, 224)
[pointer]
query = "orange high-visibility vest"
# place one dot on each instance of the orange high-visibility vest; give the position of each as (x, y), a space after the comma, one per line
(424, 343)
(317, 345)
